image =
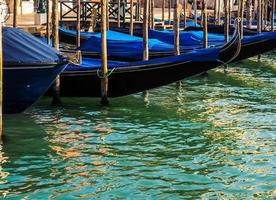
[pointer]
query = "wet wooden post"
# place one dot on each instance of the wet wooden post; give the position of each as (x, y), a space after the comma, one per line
(215, 10)
(145, 30)
(249, 13)
(169, 11)
(152, 14)
(78, 25)
(14, 23)
(205, 24)
(104, 79)
(184, 13)
(195, 12)
(55, 35)
(1, 81)
(163, 10)
(131, 18)
(146, 38)
(226, 20)
(176, 23)
(259, 25)
(107, 15)
(48, 25)
(219, 12)
(119, 14)
(241, 11)
(272, 15)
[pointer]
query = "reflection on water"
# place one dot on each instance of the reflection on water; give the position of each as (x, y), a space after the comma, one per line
(210, 137)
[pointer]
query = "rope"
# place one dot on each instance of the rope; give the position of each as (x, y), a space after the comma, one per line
(101, 75)
(237, 21)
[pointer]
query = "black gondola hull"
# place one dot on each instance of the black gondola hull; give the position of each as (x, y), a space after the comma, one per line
(121, 83)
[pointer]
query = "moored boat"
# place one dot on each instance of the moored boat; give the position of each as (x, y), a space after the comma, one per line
(29, 68)
(131, 77)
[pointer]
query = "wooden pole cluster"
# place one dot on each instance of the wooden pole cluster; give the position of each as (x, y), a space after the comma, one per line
(55, 36)
(195, 12)
(48, 23)
(15, 3)
(78, 25)
(272, 15)
(145, 30)
(205, 24)
(176, 23)
(104, 80)
(131, 18)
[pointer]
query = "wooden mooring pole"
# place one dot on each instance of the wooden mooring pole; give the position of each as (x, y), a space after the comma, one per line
(259, 24)
(249, 13)
(272, 15)
(219, 12)
(131, 18)
(107, 15)
(184, 13)
(55, 35)
(241, 11)
(195, 12)
(119, 14)
(48, 25)
(104, 79)
(216, 11)
(205, 24)
(169, 11)
(226, 20)
(152, 14)
(176, 22)
(163, 10)
(145, 30)
(14, 23)
(1, 81)
(78, 25)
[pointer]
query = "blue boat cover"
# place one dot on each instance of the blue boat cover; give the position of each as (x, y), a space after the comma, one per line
(22, 48)
(202, 55)
(189, 22)
(124, 45)
(187, 38)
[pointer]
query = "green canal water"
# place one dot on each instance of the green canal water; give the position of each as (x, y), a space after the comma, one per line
(208, 137)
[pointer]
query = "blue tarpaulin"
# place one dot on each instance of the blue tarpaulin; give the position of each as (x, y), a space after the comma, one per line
(187, 38)
(20, 47)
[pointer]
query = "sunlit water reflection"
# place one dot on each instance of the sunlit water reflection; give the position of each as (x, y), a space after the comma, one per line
(209, 137)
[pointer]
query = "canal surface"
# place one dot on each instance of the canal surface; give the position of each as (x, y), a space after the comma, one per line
(210, 137)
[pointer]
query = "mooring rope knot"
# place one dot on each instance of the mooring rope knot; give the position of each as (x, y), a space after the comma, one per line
(101, 75)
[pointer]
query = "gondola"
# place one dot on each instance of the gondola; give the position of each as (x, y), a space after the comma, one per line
(29, 68)
(123, 46)
(126, 78)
